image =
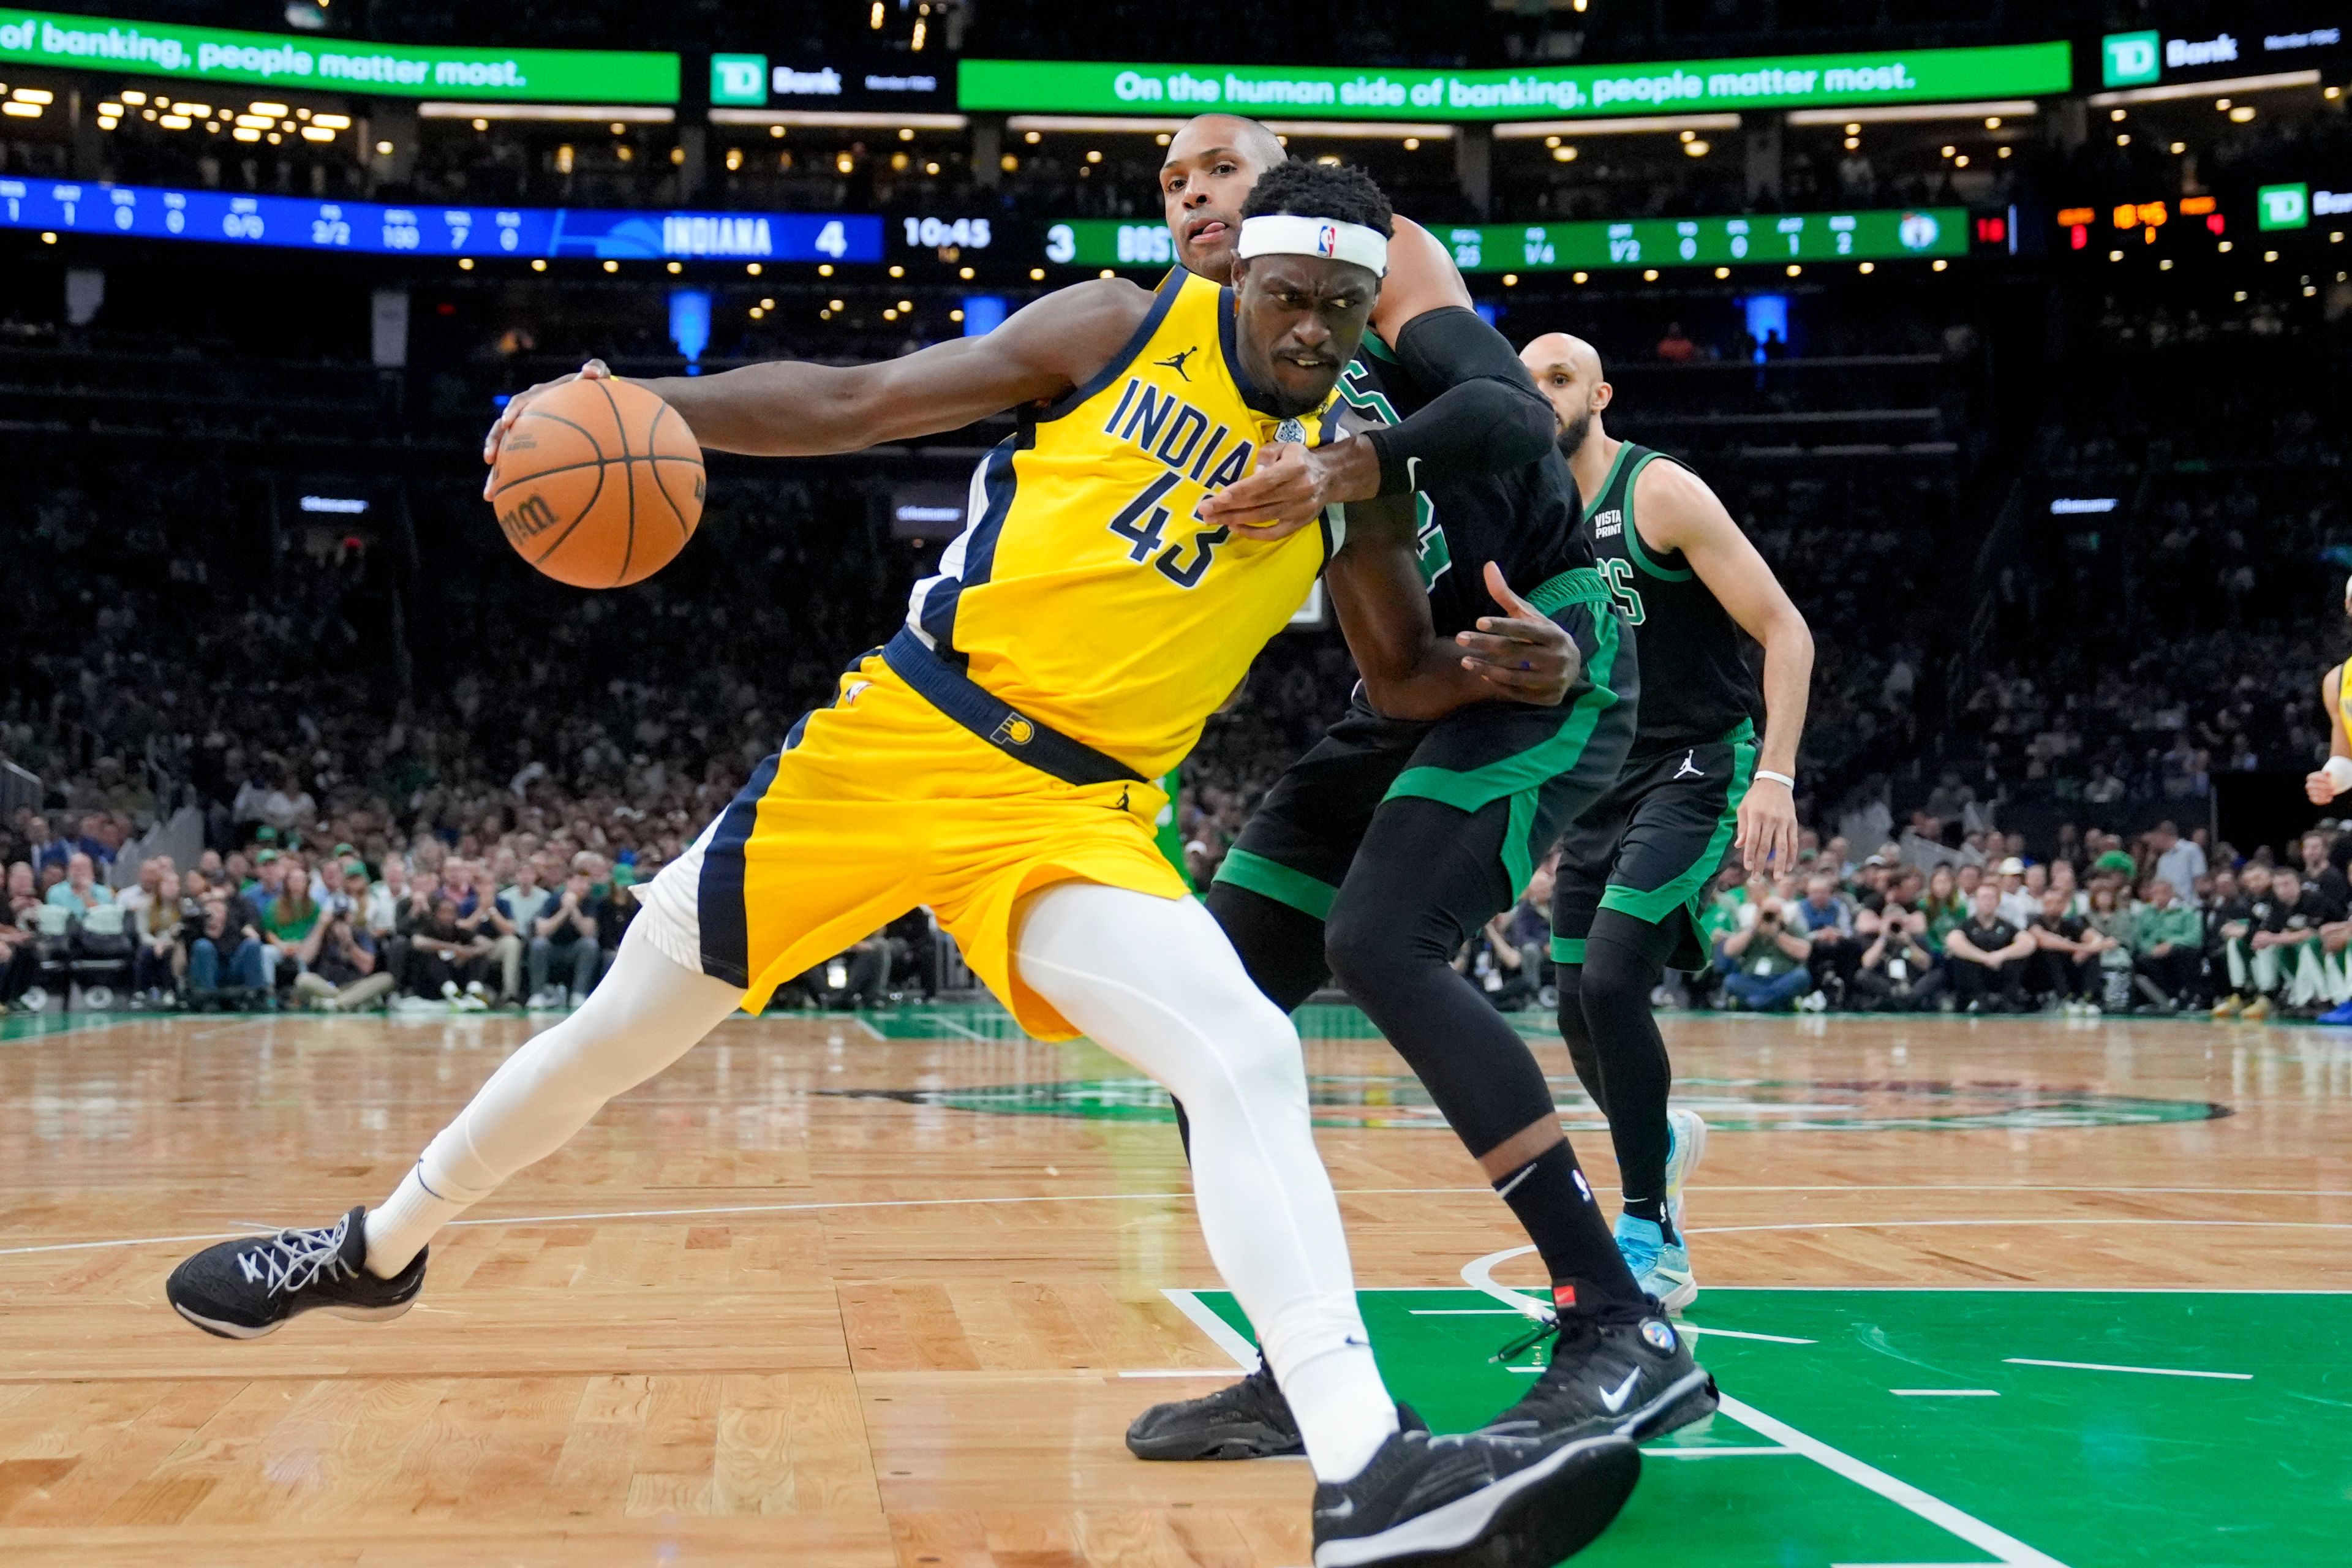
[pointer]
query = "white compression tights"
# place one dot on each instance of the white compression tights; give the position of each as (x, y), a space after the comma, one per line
(1154, 981)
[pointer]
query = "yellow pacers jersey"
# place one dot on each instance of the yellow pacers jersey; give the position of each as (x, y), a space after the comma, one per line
(1083, 591)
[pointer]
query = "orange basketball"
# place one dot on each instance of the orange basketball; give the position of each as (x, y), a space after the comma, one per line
(598, 483)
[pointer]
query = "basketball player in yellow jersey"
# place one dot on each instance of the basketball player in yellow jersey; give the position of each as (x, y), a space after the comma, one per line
(992, 763)
(2324, 784)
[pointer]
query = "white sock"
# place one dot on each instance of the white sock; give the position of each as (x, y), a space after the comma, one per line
(1344, 1413)
(648, 1012)
(1155, 982)
(399, 1227)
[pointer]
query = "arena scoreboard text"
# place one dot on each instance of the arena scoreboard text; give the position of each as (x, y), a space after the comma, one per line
(434, 228)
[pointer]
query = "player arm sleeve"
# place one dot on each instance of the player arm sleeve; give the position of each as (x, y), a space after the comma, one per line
(1489, 419)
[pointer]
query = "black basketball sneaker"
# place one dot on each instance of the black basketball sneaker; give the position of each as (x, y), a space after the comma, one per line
(244, 1290)
(1623, 1371)
(1482, 1499)
(1246, 1420)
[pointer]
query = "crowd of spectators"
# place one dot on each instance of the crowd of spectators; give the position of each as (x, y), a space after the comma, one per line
(1973, 923)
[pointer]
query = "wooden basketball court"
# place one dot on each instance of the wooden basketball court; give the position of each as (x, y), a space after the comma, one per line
(838, 1292)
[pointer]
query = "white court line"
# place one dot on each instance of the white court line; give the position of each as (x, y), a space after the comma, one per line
(1943, 1224)
(740, 1208)
(967, 1033)
(1178, 1371)
(2010, 1551)
(1220, 1333)
(1945, 1393)
(868, 1024)
(1464, 1311)
(1727, 1451)
(2148, 1371)
(1741, 1334)
(2036, 1187)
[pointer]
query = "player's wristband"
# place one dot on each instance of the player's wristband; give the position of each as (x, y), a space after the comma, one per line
(2339, 773)
(1777, 779)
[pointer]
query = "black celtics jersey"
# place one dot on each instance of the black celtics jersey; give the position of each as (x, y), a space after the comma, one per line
(1523, 519)
(1697, 686)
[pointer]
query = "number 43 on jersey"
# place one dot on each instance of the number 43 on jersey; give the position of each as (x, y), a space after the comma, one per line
(1144, 523)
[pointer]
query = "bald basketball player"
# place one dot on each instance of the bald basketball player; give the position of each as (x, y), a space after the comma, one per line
(1633, 869)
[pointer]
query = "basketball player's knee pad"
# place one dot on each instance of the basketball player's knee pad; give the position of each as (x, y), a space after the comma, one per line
(1624, 959)
(1573, 1027)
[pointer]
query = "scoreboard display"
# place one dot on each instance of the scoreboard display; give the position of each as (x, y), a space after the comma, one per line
(1881, 235)
(433, 228)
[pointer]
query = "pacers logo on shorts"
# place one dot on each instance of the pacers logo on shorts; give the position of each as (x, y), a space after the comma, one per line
(534, 515)
(1014, 731)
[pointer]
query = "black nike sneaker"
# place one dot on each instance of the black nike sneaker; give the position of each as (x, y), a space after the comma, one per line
(1624, 1371)
(244, 1290)
(1482, 1499)
(1246, 1420)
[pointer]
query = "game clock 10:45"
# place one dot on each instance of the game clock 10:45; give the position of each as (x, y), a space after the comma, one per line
(946, 233)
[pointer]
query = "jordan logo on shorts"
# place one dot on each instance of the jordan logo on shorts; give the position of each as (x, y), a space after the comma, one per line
(1690, 768)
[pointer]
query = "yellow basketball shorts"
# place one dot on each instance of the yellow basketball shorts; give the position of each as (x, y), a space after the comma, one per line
(879, 804)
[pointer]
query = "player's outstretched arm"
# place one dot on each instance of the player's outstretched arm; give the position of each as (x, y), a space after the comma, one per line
(1490, 418)
(794, 409)
(1675, 510)
(1409, 671)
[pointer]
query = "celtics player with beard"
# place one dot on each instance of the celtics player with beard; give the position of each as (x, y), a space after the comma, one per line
(1422, 813)
(1696, 781)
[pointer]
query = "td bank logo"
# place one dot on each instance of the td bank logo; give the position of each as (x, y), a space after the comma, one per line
(2283, 207)
(2127, 59)
(739, 78)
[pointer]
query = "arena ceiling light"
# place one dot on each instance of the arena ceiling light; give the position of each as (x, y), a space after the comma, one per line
(1629, 125)
(847, 119)
(640, 113)
(1891, 114)
(2224, 89)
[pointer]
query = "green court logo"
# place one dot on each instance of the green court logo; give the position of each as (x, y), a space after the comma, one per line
(1731, 1105)
(2283, 207)
(739, 78)
(2127, 59)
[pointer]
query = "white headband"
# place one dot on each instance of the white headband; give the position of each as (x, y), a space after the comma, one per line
(1288, 234)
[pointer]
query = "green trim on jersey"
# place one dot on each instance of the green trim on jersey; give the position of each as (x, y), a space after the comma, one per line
(1658, 904)
(1519, 778)
(1166, 833)
(1270, 880)
(1577, 585)
(1634, 547)
(1567, 950)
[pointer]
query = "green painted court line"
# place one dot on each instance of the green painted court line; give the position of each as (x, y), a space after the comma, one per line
(1907, 1464)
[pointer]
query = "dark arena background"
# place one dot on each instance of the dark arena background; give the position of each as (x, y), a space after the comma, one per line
(2018, 342)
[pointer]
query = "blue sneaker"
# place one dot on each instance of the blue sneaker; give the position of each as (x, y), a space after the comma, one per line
(1685, 1147)
(1661, 1268)
(2342, 1014)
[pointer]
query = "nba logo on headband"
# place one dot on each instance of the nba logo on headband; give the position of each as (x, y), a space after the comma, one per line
(1276, 234)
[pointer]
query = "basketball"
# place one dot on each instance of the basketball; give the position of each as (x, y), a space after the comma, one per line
(598, 483)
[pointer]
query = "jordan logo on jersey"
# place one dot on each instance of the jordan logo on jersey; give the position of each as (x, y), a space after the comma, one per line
(1608, 524)
(1175, 362)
